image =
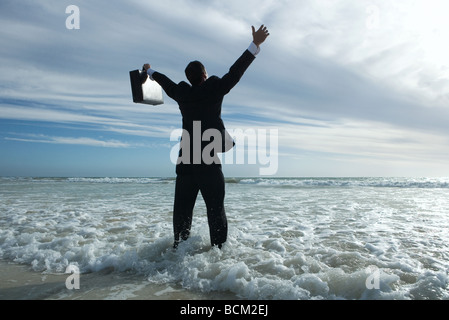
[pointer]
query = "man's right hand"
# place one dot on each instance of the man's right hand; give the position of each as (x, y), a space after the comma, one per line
(260, 35)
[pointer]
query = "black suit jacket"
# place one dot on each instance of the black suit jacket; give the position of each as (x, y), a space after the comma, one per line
(203, 102)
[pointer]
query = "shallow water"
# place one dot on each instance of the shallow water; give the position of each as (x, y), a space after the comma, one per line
(304, 238)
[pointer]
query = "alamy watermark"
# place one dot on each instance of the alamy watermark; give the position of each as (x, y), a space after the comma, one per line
(252, 146)
(72, 281)
(73, 20)
(373, 279)
(373, 19)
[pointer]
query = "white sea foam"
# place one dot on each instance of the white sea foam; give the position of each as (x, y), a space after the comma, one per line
(341, 238)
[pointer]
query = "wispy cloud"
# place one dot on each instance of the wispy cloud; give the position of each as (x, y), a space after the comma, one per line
(73, 141)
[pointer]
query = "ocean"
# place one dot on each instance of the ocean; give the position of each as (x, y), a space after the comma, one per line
(289, 239)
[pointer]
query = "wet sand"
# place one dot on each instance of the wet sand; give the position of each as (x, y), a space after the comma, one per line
(20, 282)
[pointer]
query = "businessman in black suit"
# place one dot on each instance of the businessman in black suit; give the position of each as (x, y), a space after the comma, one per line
(200, 105)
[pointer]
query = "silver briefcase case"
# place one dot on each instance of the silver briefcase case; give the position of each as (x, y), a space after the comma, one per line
(149, 92)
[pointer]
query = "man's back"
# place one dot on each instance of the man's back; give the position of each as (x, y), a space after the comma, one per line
(202, 103)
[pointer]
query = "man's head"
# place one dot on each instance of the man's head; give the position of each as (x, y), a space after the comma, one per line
(196, 73)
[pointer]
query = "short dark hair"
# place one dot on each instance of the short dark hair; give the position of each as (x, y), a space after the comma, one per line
(194, 72)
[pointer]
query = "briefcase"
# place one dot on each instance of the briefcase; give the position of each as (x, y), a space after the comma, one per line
(148, 92)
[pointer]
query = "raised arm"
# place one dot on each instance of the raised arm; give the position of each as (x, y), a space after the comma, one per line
(229, 80)
(237, 70)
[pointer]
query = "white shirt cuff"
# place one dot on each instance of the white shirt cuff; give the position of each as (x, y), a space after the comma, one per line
(253, 49)
(150, 73)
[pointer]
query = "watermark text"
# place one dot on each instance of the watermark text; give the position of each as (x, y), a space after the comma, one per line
(73, 20)
(211, 146)
(72, 281)
(373, 20)
(373, 280)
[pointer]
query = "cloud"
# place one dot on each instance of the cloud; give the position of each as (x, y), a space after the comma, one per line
(367, 140)
(58, 116)
(72, 141)
(156, 129)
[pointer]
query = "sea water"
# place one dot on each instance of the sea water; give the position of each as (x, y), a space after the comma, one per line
(292, 238)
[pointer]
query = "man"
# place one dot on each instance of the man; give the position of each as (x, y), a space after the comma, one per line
(200, 105)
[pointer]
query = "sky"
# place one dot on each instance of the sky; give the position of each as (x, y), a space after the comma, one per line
(352, 88)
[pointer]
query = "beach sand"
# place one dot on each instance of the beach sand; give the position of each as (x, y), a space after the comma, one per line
(20, 282)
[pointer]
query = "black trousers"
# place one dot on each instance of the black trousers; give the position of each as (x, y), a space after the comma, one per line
(212, 186)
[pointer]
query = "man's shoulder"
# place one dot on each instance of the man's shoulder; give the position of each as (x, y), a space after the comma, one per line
(184, 84)
(184, 88)
(212, 80)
